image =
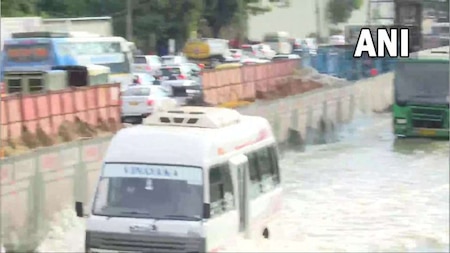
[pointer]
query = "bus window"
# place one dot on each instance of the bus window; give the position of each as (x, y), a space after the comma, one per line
(255, 176)
(107, 53)
(265, 166)
(275, 166)
(220, 189)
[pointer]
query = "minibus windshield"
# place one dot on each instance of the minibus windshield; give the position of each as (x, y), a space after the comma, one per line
(150, 191)
(422, 82)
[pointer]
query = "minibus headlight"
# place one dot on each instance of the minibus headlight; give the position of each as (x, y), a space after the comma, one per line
(401, 121)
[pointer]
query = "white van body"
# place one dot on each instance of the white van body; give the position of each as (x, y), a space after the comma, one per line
(203, 159)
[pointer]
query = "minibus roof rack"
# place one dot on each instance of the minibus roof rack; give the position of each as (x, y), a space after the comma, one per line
(195, 116)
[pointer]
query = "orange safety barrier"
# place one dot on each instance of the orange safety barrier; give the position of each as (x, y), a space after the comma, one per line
(50, 109)
(238, 84)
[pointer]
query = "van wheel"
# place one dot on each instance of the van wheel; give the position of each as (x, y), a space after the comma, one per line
(266, 233)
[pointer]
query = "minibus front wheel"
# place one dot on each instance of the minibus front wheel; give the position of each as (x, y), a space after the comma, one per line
(266, 233)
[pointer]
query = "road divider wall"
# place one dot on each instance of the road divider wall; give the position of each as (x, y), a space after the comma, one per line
(244, 83)
(41, 116)
(315, 114)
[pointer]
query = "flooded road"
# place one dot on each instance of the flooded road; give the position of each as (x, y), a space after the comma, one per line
(365, 193)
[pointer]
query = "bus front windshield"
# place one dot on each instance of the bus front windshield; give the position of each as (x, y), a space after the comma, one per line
(150, 191)
(105, 53)
(422, 82)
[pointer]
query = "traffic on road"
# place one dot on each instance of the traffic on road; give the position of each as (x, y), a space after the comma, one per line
(160, 157)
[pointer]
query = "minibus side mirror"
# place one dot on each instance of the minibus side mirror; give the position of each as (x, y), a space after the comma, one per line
(79, 209)
(206, 211)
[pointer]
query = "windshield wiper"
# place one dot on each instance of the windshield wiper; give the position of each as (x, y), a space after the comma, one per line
(186, 217)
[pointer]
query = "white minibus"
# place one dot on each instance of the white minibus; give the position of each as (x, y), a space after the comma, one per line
(190, 180)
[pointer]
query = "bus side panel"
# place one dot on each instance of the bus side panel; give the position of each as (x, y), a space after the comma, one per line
(221, 231)
(264, 209)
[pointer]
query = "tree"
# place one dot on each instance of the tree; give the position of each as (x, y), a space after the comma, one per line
(219, 13)
(154, 21)
(339, 11)
(18, 8)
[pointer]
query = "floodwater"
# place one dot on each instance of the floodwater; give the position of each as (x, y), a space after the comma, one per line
(365, 193)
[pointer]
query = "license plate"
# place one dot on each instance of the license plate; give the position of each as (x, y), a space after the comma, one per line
(427, 132)
(133, 103)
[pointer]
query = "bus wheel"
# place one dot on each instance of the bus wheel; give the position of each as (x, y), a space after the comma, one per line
(266, 233)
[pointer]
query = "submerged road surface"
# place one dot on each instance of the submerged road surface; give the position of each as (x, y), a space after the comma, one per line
(366, 192)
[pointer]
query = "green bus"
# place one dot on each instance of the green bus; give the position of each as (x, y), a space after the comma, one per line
(421, 92)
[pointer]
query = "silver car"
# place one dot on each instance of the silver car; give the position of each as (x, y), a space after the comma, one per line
(137, 102)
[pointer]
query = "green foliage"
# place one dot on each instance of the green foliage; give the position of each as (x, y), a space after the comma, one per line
(219, 13)
(154, 21)
(339, 11)
(14, 8)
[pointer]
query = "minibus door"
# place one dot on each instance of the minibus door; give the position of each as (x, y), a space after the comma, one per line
(240, 165)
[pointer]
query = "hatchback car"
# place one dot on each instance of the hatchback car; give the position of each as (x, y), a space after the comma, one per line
(137, 102)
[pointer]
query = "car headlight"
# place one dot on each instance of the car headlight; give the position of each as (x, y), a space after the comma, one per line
(401, 121)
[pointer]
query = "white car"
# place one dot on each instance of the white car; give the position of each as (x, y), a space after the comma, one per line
(173, 59)
(261, 51)
(266, 51)
(143, 79)
(149, 64)
(236, 53)
(137, 102)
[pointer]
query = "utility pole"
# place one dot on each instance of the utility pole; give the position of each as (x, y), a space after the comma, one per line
(318, 23)
(369, 12)
(129, 20)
